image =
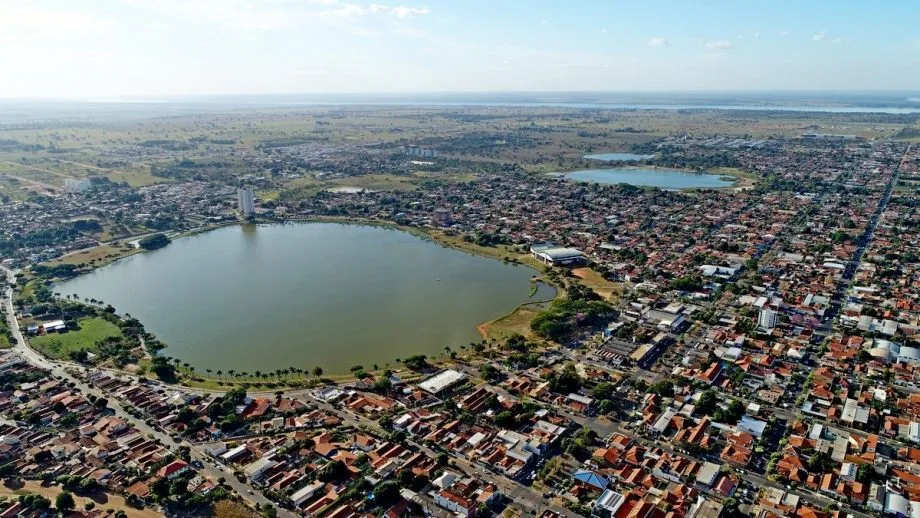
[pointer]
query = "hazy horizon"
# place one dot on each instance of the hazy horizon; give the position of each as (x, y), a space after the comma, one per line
(126, 49)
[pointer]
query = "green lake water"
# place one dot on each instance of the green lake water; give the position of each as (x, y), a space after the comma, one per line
(310, 294)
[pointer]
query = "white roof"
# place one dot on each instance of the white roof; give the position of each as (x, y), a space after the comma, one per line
(441, 381)
(235, 452)
(259, 465)
(306, 492)
(445, 480)
(610, 501)
(558, 254)
(707, 473)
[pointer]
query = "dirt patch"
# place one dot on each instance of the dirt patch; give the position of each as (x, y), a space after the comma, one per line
(100, 499)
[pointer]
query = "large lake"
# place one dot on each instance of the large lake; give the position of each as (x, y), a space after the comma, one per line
(311, 294)
(647, 177)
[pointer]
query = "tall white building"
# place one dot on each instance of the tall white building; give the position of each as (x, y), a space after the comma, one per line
(246, 201)
(77, 184)
(767, 319)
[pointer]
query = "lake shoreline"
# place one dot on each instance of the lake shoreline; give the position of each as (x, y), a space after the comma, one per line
(431, 235)
(739, 181)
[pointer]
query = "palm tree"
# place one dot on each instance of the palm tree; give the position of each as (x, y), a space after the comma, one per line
(208, 371)
(230, 372)
(220, 373)
(317, 371)
(258, 374)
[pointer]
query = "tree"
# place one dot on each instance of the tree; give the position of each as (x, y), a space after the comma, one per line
(160, 488)
(603, 390)
(317, 371)
(506, 419)
(820, 462)
(386, 493)
(865, 473)
(489, 372)
(663, 388)
(64, 502)
(565, 382)
(154, 241)
(729, 506)
(416, 362)
(333, 471)
(707, 402)
(163, 368)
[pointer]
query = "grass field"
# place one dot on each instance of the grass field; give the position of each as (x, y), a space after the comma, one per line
(99, 255)
(606, 289)
(518, 321)
(60, 345)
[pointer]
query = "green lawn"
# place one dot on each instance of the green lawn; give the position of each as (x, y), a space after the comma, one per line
(59, 345)
(4, 340)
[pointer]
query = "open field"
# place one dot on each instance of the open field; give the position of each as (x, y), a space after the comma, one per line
(538, 139)
(101, 500)
(516, 322)
(608, 290)
(60, 345)
(98, 256)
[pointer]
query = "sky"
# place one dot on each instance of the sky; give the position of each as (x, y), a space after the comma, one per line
(98, 49)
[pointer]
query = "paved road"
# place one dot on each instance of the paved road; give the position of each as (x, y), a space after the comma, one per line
(63, 370)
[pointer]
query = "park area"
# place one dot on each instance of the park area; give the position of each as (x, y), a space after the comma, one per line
(91, 330)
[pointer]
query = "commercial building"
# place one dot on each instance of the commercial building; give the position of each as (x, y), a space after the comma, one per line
(441, 381)
(767, 319)
(557, 256)
(245, 200)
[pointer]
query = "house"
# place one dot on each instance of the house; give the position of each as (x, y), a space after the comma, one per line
(305, 493)
(591, 479)
(258, 468)
(706, 475)
(610, 502)
(173, 470)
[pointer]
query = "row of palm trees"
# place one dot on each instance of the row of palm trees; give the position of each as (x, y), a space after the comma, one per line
(277, 374)
(76, 298)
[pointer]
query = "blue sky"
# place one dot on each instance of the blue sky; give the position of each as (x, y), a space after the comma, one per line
(136, 48)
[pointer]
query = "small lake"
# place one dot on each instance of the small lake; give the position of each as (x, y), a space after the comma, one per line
(618, 157)
(308, 294)
(647, 177)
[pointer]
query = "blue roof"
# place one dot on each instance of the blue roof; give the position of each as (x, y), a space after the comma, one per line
(591, 478)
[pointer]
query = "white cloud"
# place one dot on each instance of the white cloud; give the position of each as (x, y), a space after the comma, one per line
(756, 35)
(659, 42)
(720, 45)
(822, 37)
(603, 31)
(353, 10)
(20, 22)
(784, 33)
